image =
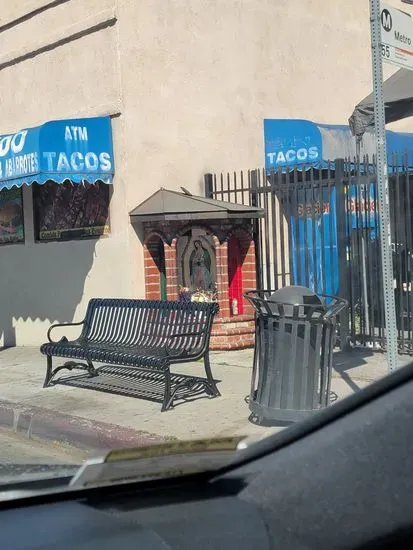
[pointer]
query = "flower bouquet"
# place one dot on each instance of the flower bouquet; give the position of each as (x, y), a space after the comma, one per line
(204, 296)
(199, 295)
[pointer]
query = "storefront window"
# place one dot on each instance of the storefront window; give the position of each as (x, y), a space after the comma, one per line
(11, 216)
(68, 211)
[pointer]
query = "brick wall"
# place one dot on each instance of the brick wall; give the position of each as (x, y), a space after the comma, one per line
(249, 275)
(229, 335)
(171, 270)
(235, 331)
(152, 262)
(221, 251)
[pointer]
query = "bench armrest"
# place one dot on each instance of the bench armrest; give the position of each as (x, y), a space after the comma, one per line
(63, 339)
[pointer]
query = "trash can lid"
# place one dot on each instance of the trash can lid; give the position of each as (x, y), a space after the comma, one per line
(296, 295)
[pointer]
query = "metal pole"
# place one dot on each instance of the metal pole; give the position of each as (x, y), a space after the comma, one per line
(383, 187)
(363, 241)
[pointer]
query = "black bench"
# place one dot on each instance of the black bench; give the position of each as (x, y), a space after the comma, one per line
(138, 335)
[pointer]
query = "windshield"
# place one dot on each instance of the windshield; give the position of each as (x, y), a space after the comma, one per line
(205, 227)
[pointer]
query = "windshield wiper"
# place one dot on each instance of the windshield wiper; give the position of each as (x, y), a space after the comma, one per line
(128, 465)
(159, 461)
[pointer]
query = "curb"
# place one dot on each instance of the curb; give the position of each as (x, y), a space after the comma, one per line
(73, 430)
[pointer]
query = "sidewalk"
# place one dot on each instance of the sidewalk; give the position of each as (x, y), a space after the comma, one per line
(64, 412)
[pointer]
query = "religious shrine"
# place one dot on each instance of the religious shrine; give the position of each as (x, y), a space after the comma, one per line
(201, 249)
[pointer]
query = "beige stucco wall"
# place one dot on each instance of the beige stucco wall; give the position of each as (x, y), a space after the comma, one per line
(190, 82)
(49, 282)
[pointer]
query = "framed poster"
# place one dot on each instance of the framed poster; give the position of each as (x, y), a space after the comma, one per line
(11, 216)
(71, 211)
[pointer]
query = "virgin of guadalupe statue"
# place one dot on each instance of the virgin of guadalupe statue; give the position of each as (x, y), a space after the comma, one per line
(200, 268)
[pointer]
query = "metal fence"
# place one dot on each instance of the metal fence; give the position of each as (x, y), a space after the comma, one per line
(363, 284)
(321, 230)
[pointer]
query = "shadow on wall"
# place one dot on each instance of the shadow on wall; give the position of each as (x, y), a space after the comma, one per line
(42, 282)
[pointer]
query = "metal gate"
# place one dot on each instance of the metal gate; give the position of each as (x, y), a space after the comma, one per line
(321, 230)
(363, 282)
(296, 241)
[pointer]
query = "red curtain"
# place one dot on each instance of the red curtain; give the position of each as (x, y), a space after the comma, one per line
(235, 274)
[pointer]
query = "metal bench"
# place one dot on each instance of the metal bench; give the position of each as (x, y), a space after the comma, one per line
(138, 335)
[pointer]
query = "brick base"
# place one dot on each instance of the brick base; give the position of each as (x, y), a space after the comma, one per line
(232, 334)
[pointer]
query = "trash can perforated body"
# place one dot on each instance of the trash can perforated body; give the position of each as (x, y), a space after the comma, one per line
(295, 331)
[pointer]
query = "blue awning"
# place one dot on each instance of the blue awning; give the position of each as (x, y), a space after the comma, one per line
(295, 142)
(77, 150)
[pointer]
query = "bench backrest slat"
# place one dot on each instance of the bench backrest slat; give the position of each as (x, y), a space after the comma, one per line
(149, 323)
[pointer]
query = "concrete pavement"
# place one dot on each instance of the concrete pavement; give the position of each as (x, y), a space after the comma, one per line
(109, 420)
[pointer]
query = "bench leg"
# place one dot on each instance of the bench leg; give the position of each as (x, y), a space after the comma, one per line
(210, 378)
(168, 398)
(70, 365)
(48, 371)
(91, 369)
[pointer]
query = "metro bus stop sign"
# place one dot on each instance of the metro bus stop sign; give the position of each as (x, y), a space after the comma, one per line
(396, 37)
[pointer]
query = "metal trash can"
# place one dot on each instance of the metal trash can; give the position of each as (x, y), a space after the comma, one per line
(294, 340)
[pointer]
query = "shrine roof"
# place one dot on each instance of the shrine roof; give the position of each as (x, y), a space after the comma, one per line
(168, 205)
